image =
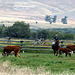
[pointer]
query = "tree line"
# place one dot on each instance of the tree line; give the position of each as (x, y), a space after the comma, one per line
(22, 30)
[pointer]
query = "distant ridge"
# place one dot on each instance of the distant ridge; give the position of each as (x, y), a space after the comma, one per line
(36, 10)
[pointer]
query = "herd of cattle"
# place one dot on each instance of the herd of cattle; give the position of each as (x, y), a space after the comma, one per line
(68, 50)
(9, 50)
(59, 49)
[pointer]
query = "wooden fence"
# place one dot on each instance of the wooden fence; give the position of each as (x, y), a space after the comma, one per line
(5, 42)
(24, 47)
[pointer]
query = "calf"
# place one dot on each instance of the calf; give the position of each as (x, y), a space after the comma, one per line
(64, 50)
(9, 50)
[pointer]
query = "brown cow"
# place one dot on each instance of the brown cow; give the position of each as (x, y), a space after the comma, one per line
(64, 50)
(71, 47)
(8, 50)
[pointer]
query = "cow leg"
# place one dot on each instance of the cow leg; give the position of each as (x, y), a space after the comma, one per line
(74, 51)
(7, 54)
(15, 54)
(65, 54)
(60, 53)
(70, 54)
(19, 54)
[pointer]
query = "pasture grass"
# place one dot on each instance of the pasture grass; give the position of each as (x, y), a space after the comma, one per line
(49, 62)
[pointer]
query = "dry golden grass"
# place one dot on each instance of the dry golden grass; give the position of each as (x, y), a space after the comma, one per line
(6, 69)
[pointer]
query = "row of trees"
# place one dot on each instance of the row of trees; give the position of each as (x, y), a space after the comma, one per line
(50, 35)
(22, 30)
(18, 30)
(53, 19)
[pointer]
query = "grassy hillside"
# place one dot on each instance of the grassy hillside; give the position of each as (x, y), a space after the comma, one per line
(36, 10)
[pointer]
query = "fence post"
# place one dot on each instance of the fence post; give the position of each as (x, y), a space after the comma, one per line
(8, 39)
(74, 42)
(21, 45)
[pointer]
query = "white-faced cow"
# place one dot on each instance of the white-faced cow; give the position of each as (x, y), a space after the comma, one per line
(9, 50)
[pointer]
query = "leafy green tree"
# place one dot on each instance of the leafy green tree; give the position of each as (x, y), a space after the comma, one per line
(43, 33)
(34, 35)
(2, 29)
(19, 30)
(69, 36)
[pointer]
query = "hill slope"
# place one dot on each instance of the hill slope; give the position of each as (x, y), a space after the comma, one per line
(33, 10)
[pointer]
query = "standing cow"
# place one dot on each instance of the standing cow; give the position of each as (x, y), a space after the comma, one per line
(71, 47)
(8, 50)
(64, 50)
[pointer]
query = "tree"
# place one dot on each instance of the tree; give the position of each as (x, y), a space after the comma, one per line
(2, 27)
(19, 30)
(34, 35)
(42, 33)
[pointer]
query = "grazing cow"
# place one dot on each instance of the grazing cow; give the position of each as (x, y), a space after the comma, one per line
(71, 47)
(9, 50)
(64, 50)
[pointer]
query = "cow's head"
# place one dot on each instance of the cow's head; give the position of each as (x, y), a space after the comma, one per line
(4, 54)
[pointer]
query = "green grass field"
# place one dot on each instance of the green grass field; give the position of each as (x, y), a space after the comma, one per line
(49, 62)
(35, 59)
